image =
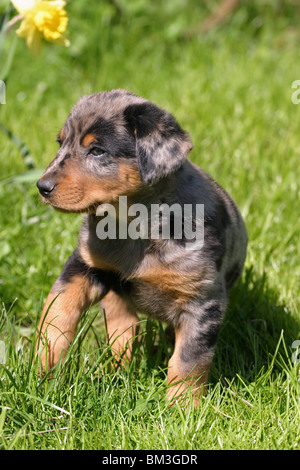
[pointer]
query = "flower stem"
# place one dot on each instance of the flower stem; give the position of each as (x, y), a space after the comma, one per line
(9, 25)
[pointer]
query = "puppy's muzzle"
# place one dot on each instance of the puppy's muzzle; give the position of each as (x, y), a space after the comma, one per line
(46, 186)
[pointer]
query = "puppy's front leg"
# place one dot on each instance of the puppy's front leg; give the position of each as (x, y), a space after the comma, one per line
(195, 341)
(72, 293)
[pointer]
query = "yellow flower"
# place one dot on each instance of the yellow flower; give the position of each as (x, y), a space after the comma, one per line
(42, 18)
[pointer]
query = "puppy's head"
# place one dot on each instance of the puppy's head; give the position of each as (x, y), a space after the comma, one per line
(112, 144)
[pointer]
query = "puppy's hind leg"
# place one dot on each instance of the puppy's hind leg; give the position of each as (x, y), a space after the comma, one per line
(195, 342)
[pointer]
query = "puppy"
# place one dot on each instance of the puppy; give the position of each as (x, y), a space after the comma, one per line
(119, 152)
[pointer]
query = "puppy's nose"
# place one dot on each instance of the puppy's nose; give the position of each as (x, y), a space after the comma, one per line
(46, 186)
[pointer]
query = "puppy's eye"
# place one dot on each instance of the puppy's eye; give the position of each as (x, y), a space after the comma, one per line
(97, 152)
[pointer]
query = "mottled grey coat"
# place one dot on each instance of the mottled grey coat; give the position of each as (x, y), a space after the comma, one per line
(117, 144)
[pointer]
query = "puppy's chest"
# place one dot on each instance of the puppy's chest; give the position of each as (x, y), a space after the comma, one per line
(163, 289)
(158, 285)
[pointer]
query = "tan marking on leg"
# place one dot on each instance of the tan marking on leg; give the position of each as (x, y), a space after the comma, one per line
(121, 323)
(61, 314)
(185, 376)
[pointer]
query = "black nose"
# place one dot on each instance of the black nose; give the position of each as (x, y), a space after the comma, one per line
(46, 186)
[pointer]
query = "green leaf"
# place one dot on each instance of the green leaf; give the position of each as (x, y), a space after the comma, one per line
(26, 177)
(21, 146)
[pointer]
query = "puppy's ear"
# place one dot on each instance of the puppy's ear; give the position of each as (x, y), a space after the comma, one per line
(161, 144)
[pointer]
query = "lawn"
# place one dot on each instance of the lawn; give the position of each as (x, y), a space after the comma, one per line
(231, 88)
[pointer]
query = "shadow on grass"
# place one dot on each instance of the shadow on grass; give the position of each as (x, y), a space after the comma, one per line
(253, 326)
(256, 324)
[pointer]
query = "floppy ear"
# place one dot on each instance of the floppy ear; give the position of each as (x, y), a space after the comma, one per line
(161, 144)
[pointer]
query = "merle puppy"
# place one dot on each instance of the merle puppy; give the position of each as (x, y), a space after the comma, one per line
(117, 144)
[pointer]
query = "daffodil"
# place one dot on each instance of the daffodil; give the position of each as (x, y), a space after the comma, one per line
(42, 18)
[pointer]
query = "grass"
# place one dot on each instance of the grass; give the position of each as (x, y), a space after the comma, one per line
(231, 89)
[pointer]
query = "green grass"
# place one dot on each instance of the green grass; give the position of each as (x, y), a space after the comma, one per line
(231, 89)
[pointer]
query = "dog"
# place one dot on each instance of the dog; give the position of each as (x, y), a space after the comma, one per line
(115, 144)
